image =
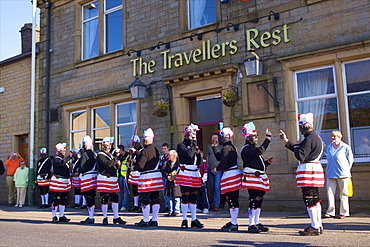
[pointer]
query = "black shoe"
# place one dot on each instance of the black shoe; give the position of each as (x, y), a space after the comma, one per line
(229, 227)
(119, 221)
(153, 223)
(45, 206)
(77, 206)
(83, 207)
(169, 214)
(134, 208)
(174, 214)
(105, 221)
(254, 229)
(309, 231)
(41, 206)
(262, 228)
(88, 221)
(196, 224)
(54, 220)
(64, 219)
(321, 230)
(142, 223)
(184, 224)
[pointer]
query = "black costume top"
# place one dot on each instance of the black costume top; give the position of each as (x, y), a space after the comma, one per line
(106, 164)
(310, 148)
(252, 156)
(148, 159)
(45, 169)
(228, 156)
(186, 151)
(87, 161)
(61, 167)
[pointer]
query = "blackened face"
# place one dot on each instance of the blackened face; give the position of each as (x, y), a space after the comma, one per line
(221, 139)
(253, 139)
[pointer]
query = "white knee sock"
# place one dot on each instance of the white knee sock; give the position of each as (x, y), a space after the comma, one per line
(104, 209)
(42, 199)
(83, 201)
(257, 217)
(312, 212)
(234, 215)
(193, 211)
(46, 198)
(115, 210)
(155, 211)
(184, 210)
(77, 199)
(91, 211)
(54, 210)
(146, 212)
(136, 201)
(319, 211)
(61, 210)
(252, 215)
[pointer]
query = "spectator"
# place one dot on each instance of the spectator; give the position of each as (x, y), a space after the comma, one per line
(163, 159)
(12, 164)
(21, 183)
(123, 194)
(2, 169)
(214, 178)
(172, 190)
(338, 173)
(203, 204)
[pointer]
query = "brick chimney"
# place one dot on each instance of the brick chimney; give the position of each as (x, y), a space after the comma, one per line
(26, 36)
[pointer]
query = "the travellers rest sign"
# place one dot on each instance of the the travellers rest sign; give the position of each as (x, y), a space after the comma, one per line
(207, 51)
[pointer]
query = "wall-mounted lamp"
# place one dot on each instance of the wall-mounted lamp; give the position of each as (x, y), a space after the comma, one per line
(138, 89)
(251, 65)
(272, 13)
(90, 6)
(224, 1)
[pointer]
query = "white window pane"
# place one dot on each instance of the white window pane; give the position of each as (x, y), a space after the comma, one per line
(90, 10)
(112, 3)
(91, 39)
(359, 117)
(78, 120)
(315, 83)
(76, 140)
(358, 76)
(125, 134)
(114, 32)
(201, 12)
(101, 117)
(325, 113)
(126, 113)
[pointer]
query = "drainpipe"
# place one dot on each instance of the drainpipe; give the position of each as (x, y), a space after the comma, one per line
(171, 114)
(47, 76)
(31, 174)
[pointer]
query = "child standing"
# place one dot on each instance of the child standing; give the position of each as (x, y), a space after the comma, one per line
(172, 190)
(21, 183)
(203, 204)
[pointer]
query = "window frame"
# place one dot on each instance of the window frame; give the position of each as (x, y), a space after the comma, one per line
(93, 122)
(189, 19)
(83, 30)
(71, 131)
(105, 13)
(116, 124)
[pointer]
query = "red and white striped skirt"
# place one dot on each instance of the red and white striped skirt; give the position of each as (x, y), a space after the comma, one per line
(108, 185)
(60, 184)
(88, 181)
(231, 180)
(42, 181)
(150, 181)
(134, 177)
(189, 178)
(252, 181)
(310, 175)
(75, 182)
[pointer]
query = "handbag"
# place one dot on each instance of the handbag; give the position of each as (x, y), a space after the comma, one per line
(350, 188)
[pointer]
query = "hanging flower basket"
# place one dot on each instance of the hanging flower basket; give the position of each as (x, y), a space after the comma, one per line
(230, 98)
(160, 113)
(161, 108)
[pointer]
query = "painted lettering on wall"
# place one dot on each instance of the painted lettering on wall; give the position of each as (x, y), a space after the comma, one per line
(208, 51)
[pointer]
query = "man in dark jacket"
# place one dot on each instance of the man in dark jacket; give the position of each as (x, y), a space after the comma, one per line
(43, 177)
(309, 175)
(231, 178)
(254, 177)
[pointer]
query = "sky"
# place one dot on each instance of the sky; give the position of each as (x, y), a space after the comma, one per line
(13, 15)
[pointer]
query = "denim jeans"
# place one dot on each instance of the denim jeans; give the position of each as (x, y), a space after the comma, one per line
(123, 199)
(174, 204)
(202, 199)
(215, 182)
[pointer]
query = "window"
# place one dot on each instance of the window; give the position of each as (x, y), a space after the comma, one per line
(125, 123)
(206, 109)
(201, 12)
(91, 23)
(316, 92)
(357, 80)
(101, 125)
(77, 128)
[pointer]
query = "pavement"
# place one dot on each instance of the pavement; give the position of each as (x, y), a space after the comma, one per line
(350, 231)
